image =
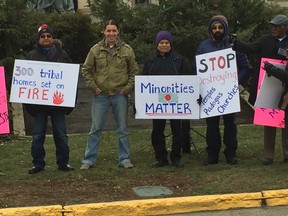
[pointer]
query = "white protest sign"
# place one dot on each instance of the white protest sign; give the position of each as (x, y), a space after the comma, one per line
(166, 97)
(218, 83)
(44, 83)
(270, 90)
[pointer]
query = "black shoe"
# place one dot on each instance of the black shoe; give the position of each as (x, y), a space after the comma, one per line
(232, 160)
(161, 163)
(35, 170)
(65, 167)
(285, 160)
(208, 161)
(177, 164)
(186, 151)
(267, 161)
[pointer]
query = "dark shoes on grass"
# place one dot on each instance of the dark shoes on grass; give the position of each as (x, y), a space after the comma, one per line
(160, 163)
(163, 163)
(64, 167)
(35, 170)
(209, 161)
(267, 161)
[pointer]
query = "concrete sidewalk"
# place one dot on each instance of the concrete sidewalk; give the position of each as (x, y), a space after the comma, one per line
(192, 205)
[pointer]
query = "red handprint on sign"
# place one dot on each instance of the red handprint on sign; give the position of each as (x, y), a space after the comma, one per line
(58, 98)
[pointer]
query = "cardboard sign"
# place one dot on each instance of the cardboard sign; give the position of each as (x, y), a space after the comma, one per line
(218, 83)
(4, 120)
(266, 107)
(166, 97)
(44, 83)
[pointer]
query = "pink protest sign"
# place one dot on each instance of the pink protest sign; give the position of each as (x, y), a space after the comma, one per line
(4, 121)
(268, 116)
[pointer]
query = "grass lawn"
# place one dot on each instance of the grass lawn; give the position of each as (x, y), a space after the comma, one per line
(107, 182)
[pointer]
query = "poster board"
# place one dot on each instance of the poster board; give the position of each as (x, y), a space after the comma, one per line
(266, 116)
(44, 83)
(218, 76)
(4, 120)
(166, 97)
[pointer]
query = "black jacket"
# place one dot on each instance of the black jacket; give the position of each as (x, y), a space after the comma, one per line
(55, 54)
(266, 47)
(171, 63)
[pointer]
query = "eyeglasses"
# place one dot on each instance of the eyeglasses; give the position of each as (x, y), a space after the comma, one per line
(46, 36)
(217, 27)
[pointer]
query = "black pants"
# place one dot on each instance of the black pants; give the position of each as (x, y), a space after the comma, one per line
(213, 137)
(186, 144)
(159, 143)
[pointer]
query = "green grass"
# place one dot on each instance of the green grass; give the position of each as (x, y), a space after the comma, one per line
(114, 182)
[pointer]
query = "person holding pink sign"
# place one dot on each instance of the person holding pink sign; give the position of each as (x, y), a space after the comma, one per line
(218, 30)
(268, 46)
(47, 50)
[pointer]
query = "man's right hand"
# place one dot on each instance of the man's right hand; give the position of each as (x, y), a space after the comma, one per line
(269, 68)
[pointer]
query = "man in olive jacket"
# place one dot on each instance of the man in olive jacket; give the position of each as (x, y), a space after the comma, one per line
(109, 71)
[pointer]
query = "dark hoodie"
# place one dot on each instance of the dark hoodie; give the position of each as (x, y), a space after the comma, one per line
(211, 45)
(53, 54)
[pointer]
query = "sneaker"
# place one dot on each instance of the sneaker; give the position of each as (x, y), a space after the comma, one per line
(35, 170)
(65, 167)
(85, 167)
(127, 165)
(2, 174)
(267, 161)
(160, 163)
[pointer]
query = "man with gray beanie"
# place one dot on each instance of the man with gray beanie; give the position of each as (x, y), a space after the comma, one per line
(268, 46)
(219, 40)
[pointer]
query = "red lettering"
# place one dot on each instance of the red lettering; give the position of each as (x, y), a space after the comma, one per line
(44, 95)
(212, 61)
(221, 58)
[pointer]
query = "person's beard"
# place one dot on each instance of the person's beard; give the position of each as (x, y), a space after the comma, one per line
(218, 36)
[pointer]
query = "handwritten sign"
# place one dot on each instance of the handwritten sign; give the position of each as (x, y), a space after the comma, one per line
(217, 72)
(44, 83)
(269, 116)
(166, 97)
(4, 120)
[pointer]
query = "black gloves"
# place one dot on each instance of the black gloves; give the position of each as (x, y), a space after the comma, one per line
(232, 39)
(199, 100)
(269, 68)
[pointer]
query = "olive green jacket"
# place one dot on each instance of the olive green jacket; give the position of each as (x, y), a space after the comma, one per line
(110, 73)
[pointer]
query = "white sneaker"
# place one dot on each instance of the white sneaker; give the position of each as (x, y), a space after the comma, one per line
(127, 165)
(85, 167)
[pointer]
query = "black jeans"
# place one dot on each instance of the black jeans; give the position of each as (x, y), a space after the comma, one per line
(186, 143)
(213, 137)
(159, 143)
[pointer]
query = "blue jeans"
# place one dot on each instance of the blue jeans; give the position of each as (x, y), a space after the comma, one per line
(59, 135)
(100, 107)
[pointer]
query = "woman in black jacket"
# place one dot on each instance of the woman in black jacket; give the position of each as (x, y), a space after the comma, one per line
(166, 61)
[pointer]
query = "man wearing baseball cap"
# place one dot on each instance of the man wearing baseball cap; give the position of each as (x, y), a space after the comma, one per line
(268, 46)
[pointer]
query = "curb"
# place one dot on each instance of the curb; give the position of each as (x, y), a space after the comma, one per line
(158, 206)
